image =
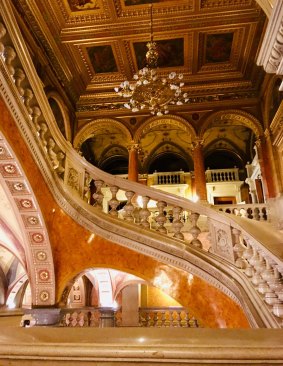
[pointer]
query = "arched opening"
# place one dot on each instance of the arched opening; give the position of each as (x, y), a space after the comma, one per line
(103, 296)
(168, 162)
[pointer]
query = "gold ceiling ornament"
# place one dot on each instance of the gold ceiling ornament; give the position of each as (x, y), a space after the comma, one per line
(150, 91)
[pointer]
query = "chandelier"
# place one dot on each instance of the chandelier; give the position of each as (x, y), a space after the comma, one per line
(149, 90)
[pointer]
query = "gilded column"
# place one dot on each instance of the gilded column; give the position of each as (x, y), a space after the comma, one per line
(133, 170)
(265, 163)
(199, 170)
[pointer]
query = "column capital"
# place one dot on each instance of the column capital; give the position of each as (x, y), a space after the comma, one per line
(197, 143)
(258, 142)
(134, 146)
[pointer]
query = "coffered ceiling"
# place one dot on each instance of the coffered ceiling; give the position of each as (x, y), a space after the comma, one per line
(93, 45)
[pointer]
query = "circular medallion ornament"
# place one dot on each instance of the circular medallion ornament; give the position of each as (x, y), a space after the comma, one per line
(44, 296)
(44, 275)
(26, 203)
(33, 220)
(37, 238)
(18, 186)
(10, 169)
(41, 256)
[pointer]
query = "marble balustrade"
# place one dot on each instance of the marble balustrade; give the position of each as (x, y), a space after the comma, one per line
(254, 211)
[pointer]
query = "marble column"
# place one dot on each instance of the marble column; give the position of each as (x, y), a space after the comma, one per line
(133, 171)
(130, 305)
(199, 170)
(107, 317)
(265, 163)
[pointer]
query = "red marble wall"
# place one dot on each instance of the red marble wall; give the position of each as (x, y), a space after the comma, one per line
(74, 252)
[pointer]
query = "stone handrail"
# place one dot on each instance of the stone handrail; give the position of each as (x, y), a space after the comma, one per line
(238, 246)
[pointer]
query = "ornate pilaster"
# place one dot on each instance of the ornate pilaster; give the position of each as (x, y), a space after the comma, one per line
(266, 168)
(133, 170)
(199, 170)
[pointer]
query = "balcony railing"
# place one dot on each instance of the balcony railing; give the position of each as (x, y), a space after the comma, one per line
(169, 178)
(222, 175)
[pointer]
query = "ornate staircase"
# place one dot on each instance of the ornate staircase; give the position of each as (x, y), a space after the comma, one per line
(242, 258)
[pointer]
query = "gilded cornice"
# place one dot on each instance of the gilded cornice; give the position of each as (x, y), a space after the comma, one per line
(214, 4)
(34, 18)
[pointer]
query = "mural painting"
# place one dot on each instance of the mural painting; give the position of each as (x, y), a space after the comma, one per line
(218, 47)
(102, 59)
(171, 53)
(78, 5)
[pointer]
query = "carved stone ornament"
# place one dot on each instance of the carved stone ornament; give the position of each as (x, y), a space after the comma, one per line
(73, 179)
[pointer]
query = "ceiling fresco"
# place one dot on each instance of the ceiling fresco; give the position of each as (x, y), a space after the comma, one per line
(142, 2)
(102, 59)
(80, 5)
(170, 51)
(218, 47)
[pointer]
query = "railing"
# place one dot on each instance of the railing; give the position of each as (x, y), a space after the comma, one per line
(87, 317)
(243, 255)
(166, 317)
(169, 178)
(148, 317)
(222, 175)
(255, 211)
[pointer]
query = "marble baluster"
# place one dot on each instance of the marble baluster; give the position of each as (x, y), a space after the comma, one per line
(114, 203)
(177, 224)
(98, 195)
(36, 113)
(129, 207)
(195, 230)
(161, 217)
(9, 56)
(2, 34)
(238, 249)
(28, 95)
(144, 213)
(19, 76)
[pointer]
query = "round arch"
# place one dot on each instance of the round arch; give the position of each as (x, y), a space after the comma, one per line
(241, 117)
(234, 151)
(189, 290)
(176, 121)
(64, 111)
(91, 128)
(272, 100)
(183, 154)
(37, 247)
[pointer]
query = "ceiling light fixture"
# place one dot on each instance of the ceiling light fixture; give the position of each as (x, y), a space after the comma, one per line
(149, 90)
